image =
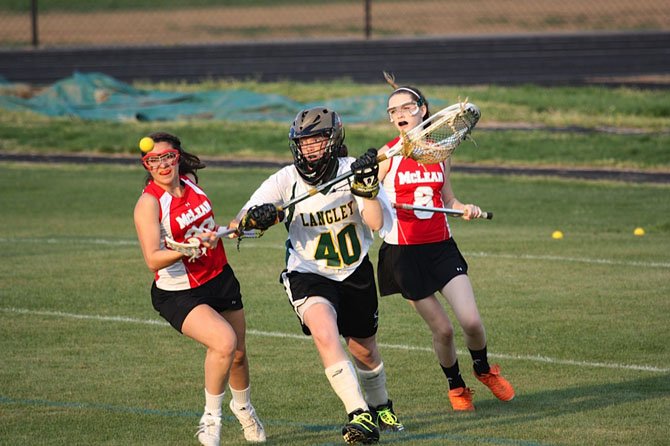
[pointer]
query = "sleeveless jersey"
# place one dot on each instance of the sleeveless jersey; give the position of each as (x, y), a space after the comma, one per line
(326, 233)
(408, 182)
(182, 218)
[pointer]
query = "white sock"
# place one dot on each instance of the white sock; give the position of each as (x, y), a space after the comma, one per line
(373, 383)
(241, 398)
(342, 377)
(213, 403)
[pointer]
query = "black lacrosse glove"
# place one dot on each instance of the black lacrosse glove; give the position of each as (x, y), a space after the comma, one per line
(366, 169)
(261, 217)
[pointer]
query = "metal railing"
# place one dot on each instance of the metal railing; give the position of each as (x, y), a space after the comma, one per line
(168, 22)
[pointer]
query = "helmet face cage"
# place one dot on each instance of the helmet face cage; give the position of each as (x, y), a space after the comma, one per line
(312, 122)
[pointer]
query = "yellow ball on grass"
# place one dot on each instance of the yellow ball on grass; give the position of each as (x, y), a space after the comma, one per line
(557, 235)
(146, 144)
(639, 232)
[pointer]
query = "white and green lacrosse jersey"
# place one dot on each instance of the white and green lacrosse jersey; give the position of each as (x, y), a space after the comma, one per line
(326, 232)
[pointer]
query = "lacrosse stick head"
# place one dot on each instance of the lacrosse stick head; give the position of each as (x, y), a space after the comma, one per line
(435, 139)
(191, 248)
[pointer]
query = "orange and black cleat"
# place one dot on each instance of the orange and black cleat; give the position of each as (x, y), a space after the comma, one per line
(500, 387)
(461, 399)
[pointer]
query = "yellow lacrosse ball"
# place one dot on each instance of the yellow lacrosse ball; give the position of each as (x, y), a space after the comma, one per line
(639, 232)
(146, 144)
(557, 235)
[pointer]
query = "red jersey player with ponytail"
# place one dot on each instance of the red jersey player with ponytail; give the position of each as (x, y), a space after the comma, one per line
(199, 296)
(419, 256)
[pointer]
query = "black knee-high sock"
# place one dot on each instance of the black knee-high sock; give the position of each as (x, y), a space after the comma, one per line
(480, 361)
(453, 375)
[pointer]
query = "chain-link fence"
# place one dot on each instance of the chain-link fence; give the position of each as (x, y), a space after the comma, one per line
(57, 23)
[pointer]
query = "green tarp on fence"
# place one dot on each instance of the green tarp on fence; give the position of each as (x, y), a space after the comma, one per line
(95, 96)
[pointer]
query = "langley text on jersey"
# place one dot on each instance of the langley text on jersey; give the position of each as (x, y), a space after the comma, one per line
(329, 216)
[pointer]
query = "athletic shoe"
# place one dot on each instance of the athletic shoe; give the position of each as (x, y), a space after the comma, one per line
(500, 387)
(361, 428)
(251, 425)
(386, 418)
(461, 399)
(209, 430)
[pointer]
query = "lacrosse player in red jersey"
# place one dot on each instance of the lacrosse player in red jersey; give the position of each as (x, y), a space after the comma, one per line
(198, 294)
(419, 257)
(329, 278)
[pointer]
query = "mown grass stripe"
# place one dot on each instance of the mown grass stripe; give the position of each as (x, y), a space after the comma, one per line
(252, 244)
(534, 358)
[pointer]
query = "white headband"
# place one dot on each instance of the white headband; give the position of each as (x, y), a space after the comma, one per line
(418, 96)
(420, 100)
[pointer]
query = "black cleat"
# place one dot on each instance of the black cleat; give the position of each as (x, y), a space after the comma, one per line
(386, 418)
(361, 428)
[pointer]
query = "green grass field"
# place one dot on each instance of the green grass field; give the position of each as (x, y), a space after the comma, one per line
(579, 325)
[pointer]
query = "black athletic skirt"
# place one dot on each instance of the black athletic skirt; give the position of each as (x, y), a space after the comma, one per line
(221, 293)
(417, 271)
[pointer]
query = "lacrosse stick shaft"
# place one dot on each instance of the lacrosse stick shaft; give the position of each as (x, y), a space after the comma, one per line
(454, 212)
(222, 232)
(337, 179)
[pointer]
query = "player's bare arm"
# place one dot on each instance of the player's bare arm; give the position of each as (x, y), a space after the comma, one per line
(385, 165)
(372, 214)
(148, 232)
(470, 211)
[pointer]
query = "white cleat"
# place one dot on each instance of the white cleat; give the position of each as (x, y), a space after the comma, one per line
(209, 430)
(251, 425)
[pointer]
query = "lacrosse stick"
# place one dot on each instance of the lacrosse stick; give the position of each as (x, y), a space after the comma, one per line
(430, 142)
(222, 232)
(454, 212)
(192, 247)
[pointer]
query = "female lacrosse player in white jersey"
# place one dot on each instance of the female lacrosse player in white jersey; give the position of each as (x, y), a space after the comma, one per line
(419, 256)
(329, 278)
(200, 297)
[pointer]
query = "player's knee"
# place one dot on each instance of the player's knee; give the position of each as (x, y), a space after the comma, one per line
(324, 337)
(224, 347)
(366, 356)
(364, 350)
(473, 327)
(240, 355)
(444, 333)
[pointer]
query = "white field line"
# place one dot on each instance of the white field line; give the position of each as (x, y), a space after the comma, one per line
(545, 359)
(70, 241)
(570, 259)
(255, 244)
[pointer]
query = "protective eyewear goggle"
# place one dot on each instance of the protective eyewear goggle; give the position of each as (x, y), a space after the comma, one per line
(408, 108)
(153, 162)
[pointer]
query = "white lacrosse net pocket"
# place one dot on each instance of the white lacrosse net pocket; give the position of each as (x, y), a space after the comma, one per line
(441, 138)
